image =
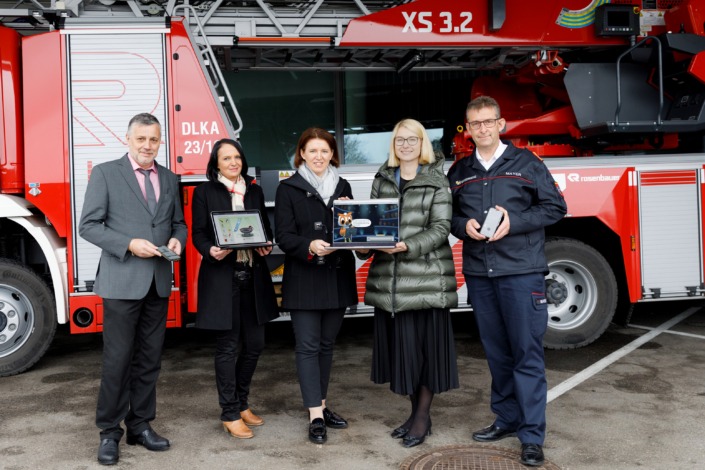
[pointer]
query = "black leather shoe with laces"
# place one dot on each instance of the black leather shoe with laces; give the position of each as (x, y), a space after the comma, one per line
(317, 431)
(531, 455)
(333, 420)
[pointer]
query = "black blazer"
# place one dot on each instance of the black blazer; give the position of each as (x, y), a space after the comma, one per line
(300, 217)
(215, 277)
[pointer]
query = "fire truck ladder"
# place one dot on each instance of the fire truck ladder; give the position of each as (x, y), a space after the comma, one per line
(252, 34)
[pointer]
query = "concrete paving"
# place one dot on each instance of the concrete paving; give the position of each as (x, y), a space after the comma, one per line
(644, 410)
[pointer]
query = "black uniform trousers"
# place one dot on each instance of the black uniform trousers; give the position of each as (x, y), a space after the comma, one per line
(512, 316)
(133, 337)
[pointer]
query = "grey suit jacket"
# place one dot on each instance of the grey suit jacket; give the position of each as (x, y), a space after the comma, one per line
(115, 212)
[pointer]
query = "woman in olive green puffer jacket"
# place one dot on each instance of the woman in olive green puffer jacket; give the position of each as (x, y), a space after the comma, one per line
(412, 286)
(424, 275)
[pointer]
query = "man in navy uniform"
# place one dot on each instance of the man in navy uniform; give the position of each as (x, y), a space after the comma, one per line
(505, 272)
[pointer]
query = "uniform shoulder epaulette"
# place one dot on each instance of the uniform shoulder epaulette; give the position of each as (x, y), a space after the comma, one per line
(535, 155)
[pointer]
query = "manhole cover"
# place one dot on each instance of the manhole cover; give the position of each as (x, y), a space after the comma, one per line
(469, 457)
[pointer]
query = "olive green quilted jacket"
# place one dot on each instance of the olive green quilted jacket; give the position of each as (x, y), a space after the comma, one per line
(424, 276)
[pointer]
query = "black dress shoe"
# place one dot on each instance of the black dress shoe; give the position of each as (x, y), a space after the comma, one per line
(149, 439)
(531, 455)
(400, 432)
(108, 452)
(317, 431)
(333, 420)
(492, 433)
(413, 441)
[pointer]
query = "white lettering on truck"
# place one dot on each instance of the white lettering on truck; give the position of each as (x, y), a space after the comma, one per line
(422, 22)
(203, 128)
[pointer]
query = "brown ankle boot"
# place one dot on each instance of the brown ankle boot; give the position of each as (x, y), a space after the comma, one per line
(238, 429)
(250, 418)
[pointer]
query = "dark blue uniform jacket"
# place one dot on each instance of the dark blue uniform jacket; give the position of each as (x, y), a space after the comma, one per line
(520, 182)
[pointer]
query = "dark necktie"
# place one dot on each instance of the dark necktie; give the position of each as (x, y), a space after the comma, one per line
(149, 191)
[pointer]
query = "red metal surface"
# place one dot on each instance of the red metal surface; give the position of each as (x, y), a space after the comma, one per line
(12, 145)
(197, 123)
(95, 305)
(434, 23)
(702, 208)
(45, 127)
(687, 16)
(361, 280)
(668, 178)
(610, 195)
(191, 256)
(697, 66)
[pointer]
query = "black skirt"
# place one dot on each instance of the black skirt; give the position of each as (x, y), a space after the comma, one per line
(414, 348)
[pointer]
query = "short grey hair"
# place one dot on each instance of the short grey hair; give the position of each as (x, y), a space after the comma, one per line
(143, 119)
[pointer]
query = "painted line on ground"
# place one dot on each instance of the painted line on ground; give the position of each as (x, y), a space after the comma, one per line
(590, 371)
(680, 333)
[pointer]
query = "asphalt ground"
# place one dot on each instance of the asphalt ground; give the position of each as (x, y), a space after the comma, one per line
(635, 399)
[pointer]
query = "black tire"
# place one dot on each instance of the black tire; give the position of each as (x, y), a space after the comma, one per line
(27, 318)
(582, 293)
(624, 311)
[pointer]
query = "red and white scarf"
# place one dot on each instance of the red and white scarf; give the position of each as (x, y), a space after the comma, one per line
(237, 199)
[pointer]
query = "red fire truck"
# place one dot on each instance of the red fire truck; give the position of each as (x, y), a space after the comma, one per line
(611, 93)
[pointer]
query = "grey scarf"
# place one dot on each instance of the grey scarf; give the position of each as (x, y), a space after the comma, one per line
(326, 185)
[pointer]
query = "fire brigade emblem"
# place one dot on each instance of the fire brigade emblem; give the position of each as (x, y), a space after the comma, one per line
(34, 189)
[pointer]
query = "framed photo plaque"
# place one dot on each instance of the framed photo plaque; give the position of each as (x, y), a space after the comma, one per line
(239, 229)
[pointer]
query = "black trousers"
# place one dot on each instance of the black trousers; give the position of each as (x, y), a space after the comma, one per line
(315, 332)
(233, 371)
(133, 336)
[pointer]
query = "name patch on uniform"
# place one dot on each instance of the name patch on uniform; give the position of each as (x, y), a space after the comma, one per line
(539, 299)
(459, 182)
(513, 173)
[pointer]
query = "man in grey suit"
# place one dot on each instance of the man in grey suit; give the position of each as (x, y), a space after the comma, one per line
(131, 208)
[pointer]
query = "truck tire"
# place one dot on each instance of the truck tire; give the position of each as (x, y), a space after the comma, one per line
(581, 290)
(27, 318)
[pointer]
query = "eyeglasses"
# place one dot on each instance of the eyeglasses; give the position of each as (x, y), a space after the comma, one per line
(489, 124)
(413, 140)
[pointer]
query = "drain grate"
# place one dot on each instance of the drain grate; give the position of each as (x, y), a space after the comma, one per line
(469, 457)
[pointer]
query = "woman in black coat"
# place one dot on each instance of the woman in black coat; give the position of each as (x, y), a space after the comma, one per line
(235, 293)
(318, 284)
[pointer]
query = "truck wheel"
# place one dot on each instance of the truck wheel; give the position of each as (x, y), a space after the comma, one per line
(27, 318)
(581, 290)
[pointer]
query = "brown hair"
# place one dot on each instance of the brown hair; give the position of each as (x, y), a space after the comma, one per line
(316, 133)
(483, 102)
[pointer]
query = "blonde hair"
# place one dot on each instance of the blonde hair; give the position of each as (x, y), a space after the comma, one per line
(426, 155)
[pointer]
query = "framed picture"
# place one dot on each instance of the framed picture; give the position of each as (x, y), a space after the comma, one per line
(239, 229)
(367, 224)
